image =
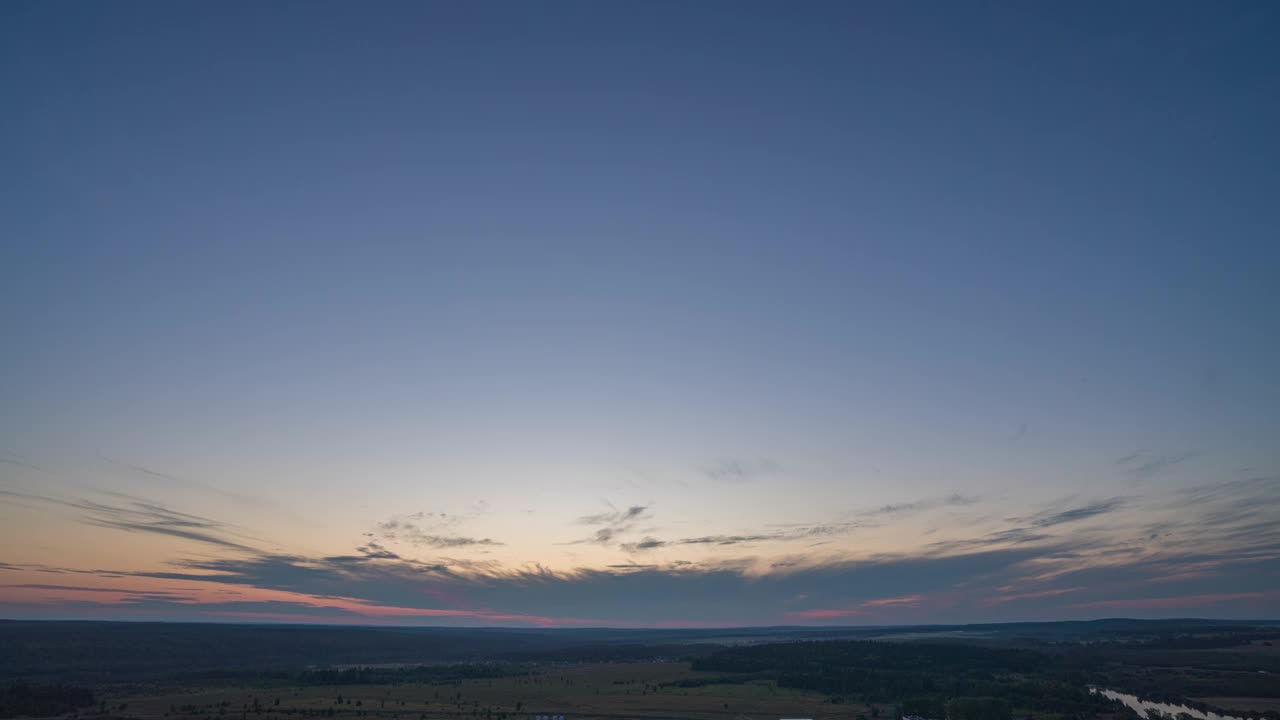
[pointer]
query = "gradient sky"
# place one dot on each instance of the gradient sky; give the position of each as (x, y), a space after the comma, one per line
(647, 313)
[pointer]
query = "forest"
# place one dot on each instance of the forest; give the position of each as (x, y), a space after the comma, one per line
(921, 678)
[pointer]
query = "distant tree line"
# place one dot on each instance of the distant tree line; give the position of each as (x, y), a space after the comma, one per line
(1198, 641)
(429, 674)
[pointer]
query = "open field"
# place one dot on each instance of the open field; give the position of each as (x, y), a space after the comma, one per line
(1263, 647)
(1243, 704)
(605, 691)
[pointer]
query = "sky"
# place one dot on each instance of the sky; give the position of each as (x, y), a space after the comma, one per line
(639, 313)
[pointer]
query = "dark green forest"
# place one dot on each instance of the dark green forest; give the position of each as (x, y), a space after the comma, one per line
(20, 699)
(921, 678)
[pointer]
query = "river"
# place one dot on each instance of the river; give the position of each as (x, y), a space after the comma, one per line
(1142, 706)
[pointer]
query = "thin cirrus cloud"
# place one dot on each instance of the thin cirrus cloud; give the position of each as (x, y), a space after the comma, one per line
(1143, 465)
(143, 517)
(1032, 528)
(406, 531)
(801, 531)
(1050, 518)
(1035, 594)
(798, 533)
(612, 524)
(740, 470)
(137, 515)
(953, 500)
(864, 608)
(172, 479)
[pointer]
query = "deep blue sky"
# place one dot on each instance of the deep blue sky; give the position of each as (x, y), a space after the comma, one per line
(746, 266)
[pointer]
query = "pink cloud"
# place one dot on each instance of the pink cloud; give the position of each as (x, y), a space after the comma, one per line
(867, 607)
(1001, 599)
(298, 618)
(825, 613)
(1183, 576)
(904, 601)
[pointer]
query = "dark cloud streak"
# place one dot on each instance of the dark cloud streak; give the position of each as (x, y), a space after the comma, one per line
(615, 523)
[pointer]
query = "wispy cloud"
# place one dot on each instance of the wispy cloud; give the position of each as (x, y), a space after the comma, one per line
(648, 543)
(803, 532)
(953, 500)
(1141, 465)
(1261, 489)
(182, 482)
(864, 608)
(432, 529)
(615, 517)
(726, 539)
(145, 517)
(738, 470)
(1030, 595)
(20, 463)
(904, 601)
(73, 588)
(403, 530)
(612, 524)
(1050, 518)
(142, 516)
(375, 551)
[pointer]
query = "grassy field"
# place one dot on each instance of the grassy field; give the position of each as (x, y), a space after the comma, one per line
(581, 692)
(1262, 647)
(1242, 704)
